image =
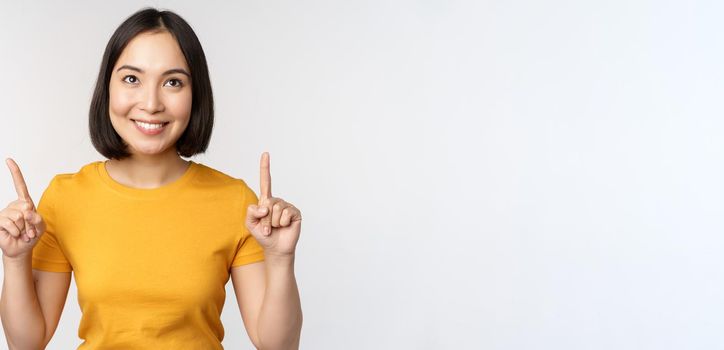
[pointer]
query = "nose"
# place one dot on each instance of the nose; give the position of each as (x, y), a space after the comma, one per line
(151, 102)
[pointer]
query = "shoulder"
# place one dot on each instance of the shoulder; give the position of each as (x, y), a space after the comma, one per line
(212, 178)
(65, 185)
(71, 180)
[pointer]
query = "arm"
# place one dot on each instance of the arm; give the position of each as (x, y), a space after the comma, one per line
(31, 300)
(269, 302)
(22, 318)
(267, 292)
(31, 303)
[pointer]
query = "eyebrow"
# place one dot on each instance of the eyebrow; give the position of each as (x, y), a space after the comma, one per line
(170, 71)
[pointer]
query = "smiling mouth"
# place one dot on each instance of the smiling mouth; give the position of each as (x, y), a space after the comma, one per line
(150, 128)
(147, 125)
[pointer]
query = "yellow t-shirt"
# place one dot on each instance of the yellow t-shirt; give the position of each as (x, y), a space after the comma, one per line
(150, 265)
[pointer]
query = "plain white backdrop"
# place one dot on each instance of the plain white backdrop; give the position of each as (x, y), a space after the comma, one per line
(472, 174)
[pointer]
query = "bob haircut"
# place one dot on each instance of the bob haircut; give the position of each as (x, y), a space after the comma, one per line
(195, 139)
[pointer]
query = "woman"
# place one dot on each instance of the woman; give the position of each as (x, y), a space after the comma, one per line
(152, 238)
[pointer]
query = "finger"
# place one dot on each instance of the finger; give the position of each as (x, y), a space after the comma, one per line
(256, 211)
(9, 226)
(30, 230)
(5, 234)
(16, 217)
(37, 223)
(294, 213)
(266, 221)
(286, 218)
(20, 188)
(265, 177)
(20, 204)
(30, 233)
(253, 215)
(277, 210)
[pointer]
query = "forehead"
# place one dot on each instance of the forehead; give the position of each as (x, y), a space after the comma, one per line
(153, 51)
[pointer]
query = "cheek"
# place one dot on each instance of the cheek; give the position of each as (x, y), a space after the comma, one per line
(120, 102)
(180, 105)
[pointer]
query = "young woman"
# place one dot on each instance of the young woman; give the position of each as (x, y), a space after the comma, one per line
(152, 239)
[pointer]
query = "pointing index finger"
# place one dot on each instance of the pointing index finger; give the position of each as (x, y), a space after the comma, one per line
(265, 176)
(18, 180)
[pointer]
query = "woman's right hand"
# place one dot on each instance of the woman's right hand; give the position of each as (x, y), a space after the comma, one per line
(20, 224)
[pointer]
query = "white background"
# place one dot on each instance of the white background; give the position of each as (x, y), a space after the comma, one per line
(473, 175)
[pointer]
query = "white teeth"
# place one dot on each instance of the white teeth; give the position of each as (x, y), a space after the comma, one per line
(148, 126)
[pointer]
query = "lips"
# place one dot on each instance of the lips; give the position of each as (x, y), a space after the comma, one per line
(150, 121)
(147, 129)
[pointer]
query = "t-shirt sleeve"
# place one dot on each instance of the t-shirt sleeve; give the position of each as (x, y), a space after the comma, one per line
(47, 253)
(248, 250)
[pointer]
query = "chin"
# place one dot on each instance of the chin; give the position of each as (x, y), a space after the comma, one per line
(148, 151)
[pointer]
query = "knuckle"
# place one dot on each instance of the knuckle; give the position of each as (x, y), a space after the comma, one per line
(8, 226)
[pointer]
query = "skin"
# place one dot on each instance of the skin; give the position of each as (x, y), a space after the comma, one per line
(20, 224)
(266, 291)
(149, 95)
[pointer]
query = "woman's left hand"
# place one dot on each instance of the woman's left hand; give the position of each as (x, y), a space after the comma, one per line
(274, 223)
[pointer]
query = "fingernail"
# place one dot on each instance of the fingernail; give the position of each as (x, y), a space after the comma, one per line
(267, 229)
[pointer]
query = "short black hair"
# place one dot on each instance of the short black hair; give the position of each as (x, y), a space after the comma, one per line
(195, 139)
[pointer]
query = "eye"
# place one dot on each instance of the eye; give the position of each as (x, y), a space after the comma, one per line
(131, 79)
(177, 82)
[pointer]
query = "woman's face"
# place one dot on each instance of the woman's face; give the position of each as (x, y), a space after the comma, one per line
(150, 83)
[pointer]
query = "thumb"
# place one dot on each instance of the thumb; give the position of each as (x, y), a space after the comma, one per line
(37, 225)
(255, 212)
(29, 226)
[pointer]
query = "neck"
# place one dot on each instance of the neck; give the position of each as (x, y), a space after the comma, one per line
(147, 171)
